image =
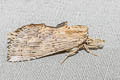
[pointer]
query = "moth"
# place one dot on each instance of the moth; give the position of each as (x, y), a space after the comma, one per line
(38, 40)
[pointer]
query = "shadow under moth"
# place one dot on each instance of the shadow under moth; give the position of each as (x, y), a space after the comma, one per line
(38, 40)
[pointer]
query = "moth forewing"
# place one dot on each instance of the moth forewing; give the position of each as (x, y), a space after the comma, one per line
(38, 40)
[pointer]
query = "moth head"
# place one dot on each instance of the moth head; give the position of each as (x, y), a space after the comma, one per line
(96, 43)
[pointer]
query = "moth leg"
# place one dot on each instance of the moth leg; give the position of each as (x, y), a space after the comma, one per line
(87, 49)
(72, 52)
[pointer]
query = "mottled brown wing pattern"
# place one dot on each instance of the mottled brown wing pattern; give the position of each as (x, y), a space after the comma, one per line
(37, 40)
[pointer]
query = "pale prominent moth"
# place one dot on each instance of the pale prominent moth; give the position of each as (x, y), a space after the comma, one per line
(38, 40)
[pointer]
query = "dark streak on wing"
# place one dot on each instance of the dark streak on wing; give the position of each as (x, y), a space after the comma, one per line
(62, 24)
